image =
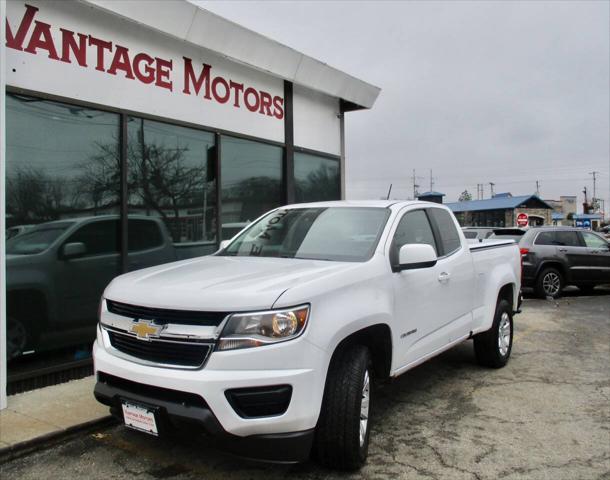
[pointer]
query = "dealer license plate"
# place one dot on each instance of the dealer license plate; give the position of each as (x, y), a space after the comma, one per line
(140, 418)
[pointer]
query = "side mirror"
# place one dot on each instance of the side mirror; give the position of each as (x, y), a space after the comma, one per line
(224, 244)
(73, 250)
(415, 255)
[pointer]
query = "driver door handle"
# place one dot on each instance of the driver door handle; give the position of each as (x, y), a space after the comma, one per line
(444, 277)
(563, 250)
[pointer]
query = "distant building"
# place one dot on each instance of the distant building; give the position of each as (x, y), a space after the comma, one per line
(502, 211)
(590, 221)
(564, 209)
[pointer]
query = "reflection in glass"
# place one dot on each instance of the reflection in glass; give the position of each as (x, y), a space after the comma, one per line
(316, 178)
(171, 176)
(62, 163)
(251, 181)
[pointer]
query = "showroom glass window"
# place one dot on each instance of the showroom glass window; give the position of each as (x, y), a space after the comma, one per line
(251, 176)
(171, 176)
(62, 177)
(316, 178)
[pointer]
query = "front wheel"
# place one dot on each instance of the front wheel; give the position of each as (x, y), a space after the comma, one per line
(342, 434)
(492, 348)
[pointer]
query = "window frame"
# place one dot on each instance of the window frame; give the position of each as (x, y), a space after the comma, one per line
(437, 233)
(395, 229)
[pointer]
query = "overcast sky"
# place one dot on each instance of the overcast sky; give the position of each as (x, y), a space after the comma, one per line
(479, 92)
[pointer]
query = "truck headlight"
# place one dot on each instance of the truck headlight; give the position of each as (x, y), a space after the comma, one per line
(246, 330)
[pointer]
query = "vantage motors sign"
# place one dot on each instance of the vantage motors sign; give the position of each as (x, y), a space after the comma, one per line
(76, 51)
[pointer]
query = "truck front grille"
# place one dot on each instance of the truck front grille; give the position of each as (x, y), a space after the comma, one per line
(179, 353)
(163, 316)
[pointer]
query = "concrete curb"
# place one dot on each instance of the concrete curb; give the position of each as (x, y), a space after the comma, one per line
(53, 438)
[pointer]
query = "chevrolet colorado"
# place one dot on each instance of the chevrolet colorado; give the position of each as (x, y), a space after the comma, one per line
(271, 344)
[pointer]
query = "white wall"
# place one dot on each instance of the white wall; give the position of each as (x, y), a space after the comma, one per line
(317, 124)
(38, 72)
(2, 214)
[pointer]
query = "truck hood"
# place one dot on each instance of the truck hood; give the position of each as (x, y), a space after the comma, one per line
(218, 283)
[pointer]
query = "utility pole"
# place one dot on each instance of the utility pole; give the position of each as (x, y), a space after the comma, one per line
(415, 185)
(431, 181)
(480, 191)
(585, 205)
(491, 184)
(537, 188)
(594, 173)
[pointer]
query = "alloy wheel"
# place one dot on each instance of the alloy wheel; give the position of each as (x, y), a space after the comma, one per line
(551, 283)
(364, 407)
(504, 331)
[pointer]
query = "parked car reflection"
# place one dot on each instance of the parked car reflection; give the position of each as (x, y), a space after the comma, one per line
(57, 271)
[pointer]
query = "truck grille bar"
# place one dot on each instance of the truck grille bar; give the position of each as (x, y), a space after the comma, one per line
(189, 354)
(163, 316)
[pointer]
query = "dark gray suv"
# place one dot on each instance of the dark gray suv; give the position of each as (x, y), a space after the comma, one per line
(554, 257)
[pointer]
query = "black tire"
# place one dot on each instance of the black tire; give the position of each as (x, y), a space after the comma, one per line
(550, 283)
(338, 441)
(488, 348)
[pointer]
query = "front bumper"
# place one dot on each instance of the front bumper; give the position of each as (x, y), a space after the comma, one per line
(285, 437)
(175, 410)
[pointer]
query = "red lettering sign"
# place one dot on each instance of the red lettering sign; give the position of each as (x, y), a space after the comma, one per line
(113, 59)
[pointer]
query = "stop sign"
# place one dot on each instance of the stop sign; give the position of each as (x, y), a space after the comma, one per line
(522, 220)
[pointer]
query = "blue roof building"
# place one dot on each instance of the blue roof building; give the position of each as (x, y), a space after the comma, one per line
(502, 211)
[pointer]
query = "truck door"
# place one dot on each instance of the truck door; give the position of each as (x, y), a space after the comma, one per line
(417, 308)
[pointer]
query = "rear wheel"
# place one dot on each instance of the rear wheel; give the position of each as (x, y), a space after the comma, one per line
(492, 348)
(550, 283)
(342, 434)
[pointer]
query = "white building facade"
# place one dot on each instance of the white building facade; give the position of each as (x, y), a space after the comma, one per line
(142, 109)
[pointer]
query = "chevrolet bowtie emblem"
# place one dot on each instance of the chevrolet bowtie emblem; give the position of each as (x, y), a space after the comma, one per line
(145, 330)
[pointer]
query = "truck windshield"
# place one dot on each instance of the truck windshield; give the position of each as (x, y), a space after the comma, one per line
(36, 240)
(345, 234)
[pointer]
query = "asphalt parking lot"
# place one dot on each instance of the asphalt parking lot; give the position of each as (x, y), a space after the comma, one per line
(545, 415)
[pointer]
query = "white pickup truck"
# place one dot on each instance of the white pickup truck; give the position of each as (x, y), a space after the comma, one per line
(271, 344)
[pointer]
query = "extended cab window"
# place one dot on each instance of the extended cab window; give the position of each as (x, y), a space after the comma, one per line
(100, 237)
(143, 235)
(414, 227)
(449, 236)
(593, 241)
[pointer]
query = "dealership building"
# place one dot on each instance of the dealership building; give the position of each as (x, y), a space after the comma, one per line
(137, 126)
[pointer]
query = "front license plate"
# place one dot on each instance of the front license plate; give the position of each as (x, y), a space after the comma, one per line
(140, 418)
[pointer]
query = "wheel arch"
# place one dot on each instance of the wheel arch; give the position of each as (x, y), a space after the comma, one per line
(556, 265)
(378, 338)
